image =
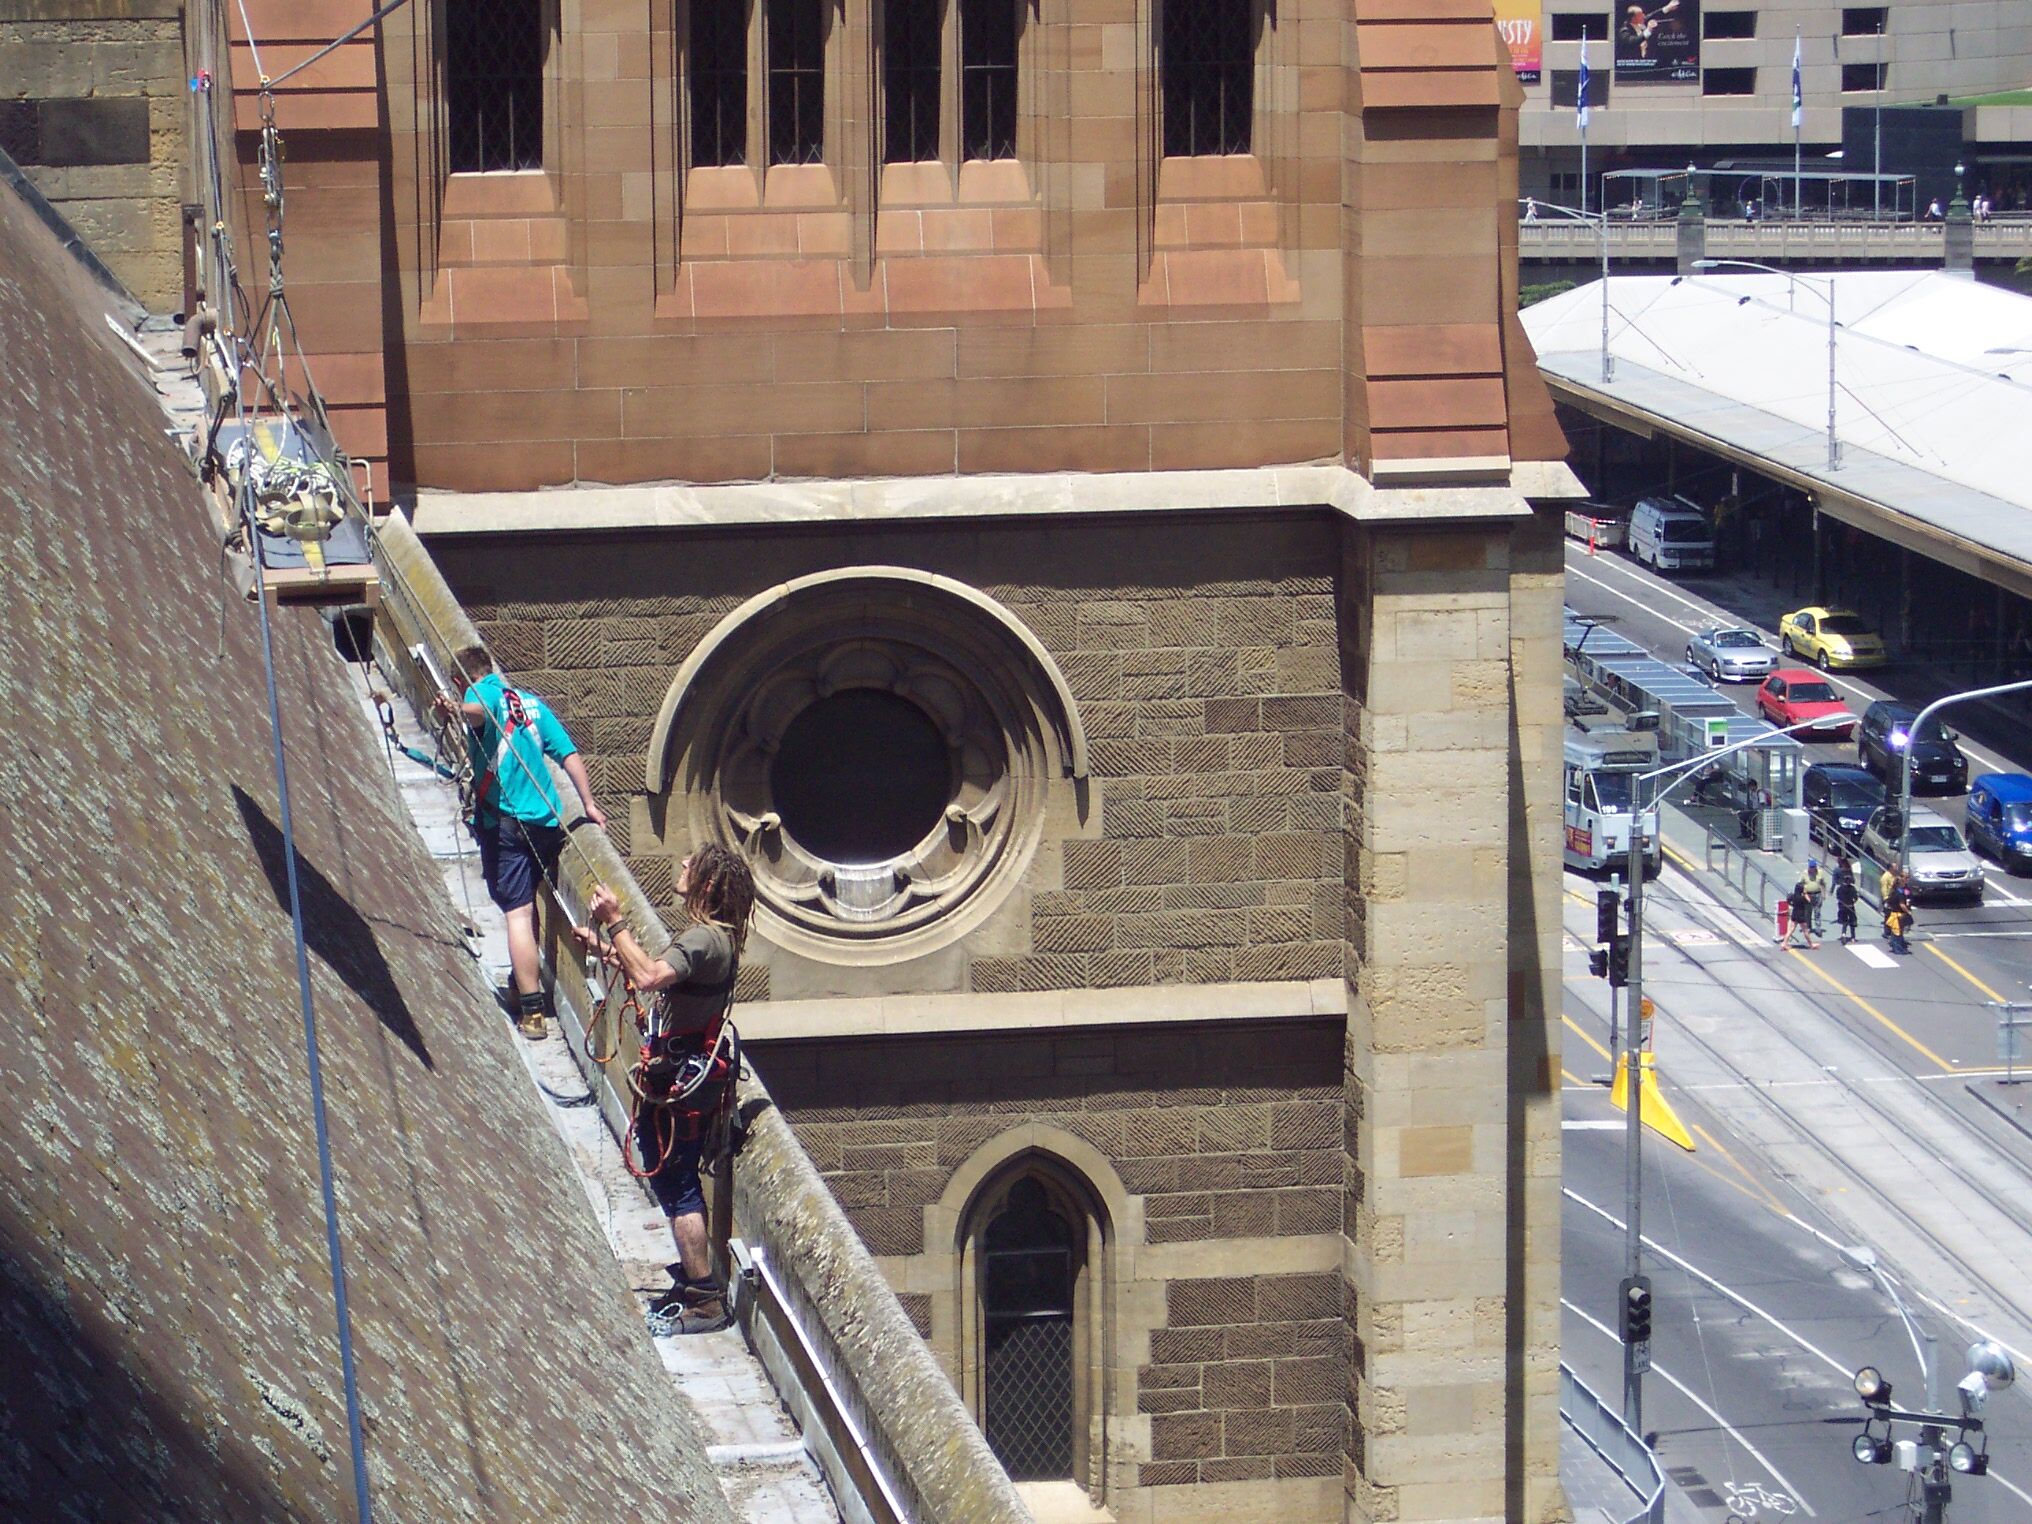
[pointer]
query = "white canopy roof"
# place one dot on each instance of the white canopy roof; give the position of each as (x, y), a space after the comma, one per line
(1933, 381)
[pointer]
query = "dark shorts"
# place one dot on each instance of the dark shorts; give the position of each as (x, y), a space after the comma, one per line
(515, 856)
(676, 1186)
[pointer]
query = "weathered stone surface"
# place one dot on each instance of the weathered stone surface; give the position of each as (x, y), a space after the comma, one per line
(169, 1325)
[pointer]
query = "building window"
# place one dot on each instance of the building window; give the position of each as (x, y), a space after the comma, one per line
(1860, 78)
(1208, 67)
(716, 74)
(494, 84)
(987, 79)
(1566, 87)
(1728, 81)
(1728, 24)
(910, 80)
(861, 776)
(1864, 20)
(1571, 26)
(1028, 1269)
(795, 39)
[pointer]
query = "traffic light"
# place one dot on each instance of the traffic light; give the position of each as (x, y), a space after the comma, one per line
(1636, 1309)
(1607, 903)
(1619, 962)
(1598, 963)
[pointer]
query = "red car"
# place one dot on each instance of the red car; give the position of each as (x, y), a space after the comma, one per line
(1792, 696)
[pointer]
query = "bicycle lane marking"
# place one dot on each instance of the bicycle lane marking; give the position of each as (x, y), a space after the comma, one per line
(1691, 1396)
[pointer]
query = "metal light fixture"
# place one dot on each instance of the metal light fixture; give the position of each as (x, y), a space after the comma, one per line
(1870, 1450)
(1872, 1387)
(1968, 1460)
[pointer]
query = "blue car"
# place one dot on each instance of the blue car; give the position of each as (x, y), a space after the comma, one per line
(2000, 819)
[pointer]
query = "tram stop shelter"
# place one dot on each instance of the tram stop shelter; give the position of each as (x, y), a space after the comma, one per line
(1920, 389)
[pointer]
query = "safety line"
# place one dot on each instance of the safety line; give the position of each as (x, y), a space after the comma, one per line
(335, 43)
(333, 1250)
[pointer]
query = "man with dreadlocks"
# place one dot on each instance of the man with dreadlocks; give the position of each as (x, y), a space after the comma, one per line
(694, 982)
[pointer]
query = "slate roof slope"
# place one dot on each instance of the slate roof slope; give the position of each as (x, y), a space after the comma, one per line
(165, 1314)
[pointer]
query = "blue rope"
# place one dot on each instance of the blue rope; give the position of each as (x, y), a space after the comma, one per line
(363, 1506)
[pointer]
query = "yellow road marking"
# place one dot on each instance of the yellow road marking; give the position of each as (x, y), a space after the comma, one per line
(1756, 1184)
(1972, 979)
(1679, 857)
(1889, 1025)
(1586, 1037)
(1574, 1079)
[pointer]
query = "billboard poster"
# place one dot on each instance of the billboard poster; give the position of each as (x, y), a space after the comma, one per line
(1518, 21)
(1659, 39)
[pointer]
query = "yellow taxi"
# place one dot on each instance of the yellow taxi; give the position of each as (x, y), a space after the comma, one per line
(1831, 638)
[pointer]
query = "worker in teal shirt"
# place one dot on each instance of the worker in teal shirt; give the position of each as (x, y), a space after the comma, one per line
(516, 810)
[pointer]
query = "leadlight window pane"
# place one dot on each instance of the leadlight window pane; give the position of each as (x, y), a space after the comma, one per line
(494, 84)
(716, 65)
(987, 79)
(1208, 70)
(796, 45)
(1027, 1313)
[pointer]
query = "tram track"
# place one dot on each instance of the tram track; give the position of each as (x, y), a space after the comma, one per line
(1958, 1175)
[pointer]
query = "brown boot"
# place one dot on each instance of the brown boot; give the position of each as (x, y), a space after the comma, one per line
(530, 1019)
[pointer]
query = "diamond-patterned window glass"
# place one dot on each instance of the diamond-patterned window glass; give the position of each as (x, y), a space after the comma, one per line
(988, 79)
(1208, 69)
(1026, 1315)
(716, 73)
(910, 57)
(494, 84)
(796, 47)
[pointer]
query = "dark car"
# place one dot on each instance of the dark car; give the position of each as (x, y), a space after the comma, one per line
(1938, 766)
(1838, 799)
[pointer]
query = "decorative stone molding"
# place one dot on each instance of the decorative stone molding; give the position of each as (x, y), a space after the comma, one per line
(976, 710)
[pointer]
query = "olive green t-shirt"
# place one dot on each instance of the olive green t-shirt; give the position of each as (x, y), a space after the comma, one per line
(703, 956)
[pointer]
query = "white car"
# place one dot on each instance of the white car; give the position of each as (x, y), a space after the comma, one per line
(1942, 865)
(1731, 654)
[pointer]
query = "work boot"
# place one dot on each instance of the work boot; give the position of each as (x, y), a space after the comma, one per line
(530, 1014)
(683, 1317)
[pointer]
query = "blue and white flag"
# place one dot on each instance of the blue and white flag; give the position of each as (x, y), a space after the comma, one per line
(1580, 102)
(1796, 100)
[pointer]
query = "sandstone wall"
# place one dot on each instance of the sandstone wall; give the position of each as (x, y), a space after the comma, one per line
(92, 108)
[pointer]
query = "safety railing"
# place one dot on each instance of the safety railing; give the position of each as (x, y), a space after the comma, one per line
(1605, 1433)
(1731, 866)
(876, 1409)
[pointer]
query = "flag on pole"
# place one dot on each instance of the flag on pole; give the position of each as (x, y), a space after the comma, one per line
(1580, 101)
(1796, 98)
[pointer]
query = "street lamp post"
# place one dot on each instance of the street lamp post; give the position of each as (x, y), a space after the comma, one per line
(1601, 222)
(1827, 296)
(1905, 758)
(1633, 1043)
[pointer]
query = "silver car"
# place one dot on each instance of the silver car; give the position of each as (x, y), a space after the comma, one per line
(1731, 654)
(1942, 865)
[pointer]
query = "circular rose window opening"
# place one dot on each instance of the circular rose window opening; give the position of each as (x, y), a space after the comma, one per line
(861, 777)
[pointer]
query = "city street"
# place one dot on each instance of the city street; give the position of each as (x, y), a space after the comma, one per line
(1829, 1094)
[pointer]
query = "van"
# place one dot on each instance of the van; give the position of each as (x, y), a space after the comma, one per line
(1671, 534)
(2000, 819)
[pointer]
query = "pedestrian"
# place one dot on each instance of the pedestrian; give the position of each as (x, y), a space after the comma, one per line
(1887, 886)
(1817, 885)
(516, 811)
(1845, 900)
(1898, 924)
(1801, 911)
(694, 982)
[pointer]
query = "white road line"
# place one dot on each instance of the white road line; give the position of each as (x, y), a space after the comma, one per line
(1872, 957)
(1612, 1124)
(1722, 1423)
(1942, 936)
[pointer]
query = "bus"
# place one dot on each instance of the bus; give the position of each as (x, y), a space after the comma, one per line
(1601, 764)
